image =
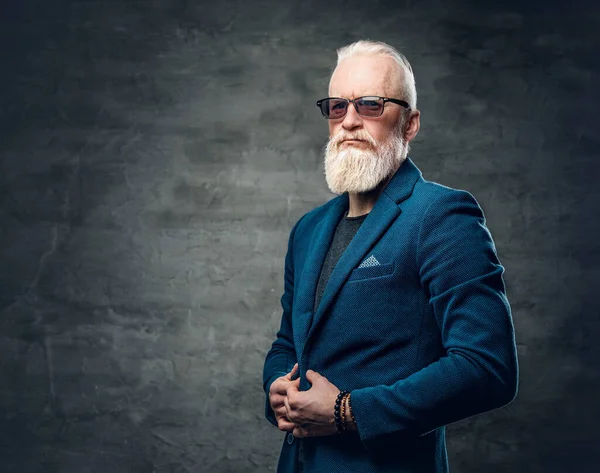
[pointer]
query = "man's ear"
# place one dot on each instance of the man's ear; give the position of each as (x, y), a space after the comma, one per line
(413, 125)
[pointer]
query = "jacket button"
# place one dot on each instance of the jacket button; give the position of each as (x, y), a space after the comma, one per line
(290, 438)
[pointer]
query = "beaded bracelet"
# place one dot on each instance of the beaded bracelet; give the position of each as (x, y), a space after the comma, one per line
(336, 411)
(350, 410)
(344, 426)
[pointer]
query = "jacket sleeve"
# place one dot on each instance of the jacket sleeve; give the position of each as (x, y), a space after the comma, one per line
(281, 358)
(462, 276)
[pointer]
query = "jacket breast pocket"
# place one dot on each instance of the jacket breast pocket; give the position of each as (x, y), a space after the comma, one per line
(371, 272)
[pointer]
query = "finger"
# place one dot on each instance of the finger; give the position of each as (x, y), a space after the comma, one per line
(286, 425)
(281, 413)
(292, 414)
(300, 432)
(276, 400)
(293, 387)
(278, 387)
(288, 409)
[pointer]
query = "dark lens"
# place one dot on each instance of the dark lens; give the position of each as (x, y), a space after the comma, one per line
(334, 108)
(370, 106)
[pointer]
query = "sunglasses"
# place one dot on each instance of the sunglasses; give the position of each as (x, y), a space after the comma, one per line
(368, 106)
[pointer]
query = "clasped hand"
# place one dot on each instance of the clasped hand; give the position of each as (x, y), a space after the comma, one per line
(304, 413)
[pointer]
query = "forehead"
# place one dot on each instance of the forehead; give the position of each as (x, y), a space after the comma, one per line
(357, 76)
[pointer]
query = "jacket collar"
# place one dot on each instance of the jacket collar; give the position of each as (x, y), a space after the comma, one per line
(401, 185)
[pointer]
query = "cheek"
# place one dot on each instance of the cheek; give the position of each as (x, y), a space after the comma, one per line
(378, 130)
(334, 128)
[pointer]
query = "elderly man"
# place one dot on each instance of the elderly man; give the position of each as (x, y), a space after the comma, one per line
(395, 319)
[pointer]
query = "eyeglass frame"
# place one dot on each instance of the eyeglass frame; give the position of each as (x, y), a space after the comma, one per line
(402, 103)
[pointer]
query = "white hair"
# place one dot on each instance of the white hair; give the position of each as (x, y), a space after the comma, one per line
(378, 48)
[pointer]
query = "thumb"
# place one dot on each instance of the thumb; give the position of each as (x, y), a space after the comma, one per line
(291, 373)
(312, 376)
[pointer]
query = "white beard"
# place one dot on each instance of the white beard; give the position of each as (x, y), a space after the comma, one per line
(355, 170)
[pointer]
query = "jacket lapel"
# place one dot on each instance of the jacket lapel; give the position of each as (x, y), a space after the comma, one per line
(383, 214)
(377, 222)
(307, 286)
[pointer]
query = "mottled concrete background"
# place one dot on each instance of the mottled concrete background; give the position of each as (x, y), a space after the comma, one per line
(154, 156)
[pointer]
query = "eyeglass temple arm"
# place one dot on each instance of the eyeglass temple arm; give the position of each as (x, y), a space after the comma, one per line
(399, 102)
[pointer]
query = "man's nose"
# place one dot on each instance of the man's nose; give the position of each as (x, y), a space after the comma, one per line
(352, 119)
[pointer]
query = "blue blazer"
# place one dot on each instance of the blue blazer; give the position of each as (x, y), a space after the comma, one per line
(423, 339)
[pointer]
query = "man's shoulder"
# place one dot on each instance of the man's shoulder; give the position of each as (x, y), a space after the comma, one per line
(438, 201)
(429, 192)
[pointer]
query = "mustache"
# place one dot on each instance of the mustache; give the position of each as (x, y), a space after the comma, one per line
(361, 135)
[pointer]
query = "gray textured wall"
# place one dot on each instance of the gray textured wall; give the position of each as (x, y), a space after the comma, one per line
(154, 156)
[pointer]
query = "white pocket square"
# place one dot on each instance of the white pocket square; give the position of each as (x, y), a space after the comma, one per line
(370, 261)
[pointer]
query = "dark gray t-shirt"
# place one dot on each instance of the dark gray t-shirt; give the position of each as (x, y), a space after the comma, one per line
(344, 232)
